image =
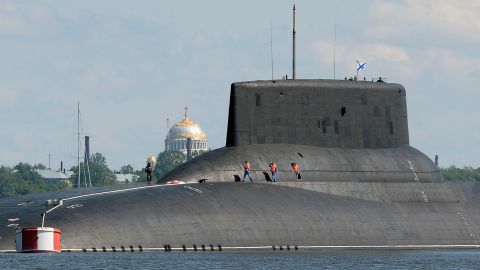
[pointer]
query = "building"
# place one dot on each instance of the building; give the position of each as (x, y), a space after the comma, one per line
(55, 177)
(179, 134)
(125, 178)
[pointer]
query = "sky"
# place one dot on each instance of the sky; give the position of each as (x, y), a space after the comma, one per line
(133, 64)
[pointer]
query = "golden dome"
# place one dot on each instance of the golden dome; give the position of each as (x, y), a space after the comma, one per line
(186, 129)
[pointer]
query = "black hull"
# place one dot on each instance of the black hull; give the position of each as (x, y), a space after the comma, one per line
(259, 216)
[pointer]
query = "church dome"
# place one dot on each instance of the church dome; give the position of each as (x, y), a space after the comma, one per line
(186, 129)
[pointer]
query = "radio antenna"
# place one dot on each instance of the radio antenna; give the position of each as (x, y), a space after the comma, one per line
(271, 46)
(293, 45)
(334, 44)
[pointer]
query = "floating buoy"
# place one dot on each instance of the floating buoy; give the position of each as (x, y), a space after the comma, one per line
(38, 239)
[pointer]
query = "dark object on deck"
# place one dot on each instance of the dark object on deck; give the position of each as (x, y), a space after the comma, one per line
(267, 177)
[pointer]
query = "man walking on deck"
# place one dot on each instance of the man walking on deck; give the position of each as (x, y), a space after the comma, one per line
(296, 170)
(151, 160)
(246, 171)
(273, 170)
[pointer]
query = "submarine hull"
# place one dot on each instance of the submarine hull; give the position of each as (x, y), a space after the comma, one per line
(362, 186)
(258, 215)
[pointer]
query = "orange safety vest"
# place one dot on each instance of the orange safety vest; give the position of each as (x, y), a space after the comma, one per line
(295, 167)
(246, 166)
(273, 167)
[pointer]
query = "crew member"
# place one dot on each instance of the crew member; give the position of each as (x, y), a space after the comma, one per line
(246, 171)
(295, 170)
(273, 170)
(149, 170)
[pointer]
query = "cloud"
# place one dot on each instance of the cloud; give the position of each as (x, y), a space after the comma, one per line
(386, 52)
(380, 57)
(10, 20)
(452, 62)
(371, 51)
(456, 19)
(8, 96)
(24, 19)
(104, 77)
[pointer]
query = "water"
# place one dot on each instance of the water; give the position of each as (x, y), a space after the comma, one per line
(457, 259)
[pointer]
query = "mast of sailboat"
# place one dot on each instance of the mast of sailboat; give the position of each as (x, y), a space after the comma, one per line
(78, 145)
(86, 172)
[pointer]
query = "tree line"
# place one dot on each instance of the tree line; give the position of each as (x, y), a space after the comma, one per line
(166, 161)
(23, 178)
(101, 175)
(453, 173)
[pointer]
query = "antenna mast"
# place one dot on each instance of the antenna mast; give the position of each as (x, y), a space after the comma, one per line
(334, 49)
(335, 44)
(293, 45)
(78, 145)
(87, 162)
(271, 46)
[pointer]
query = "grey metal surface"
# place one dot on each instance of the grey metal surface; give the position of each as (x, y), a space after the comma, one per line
(402, 164)
(245, 214)
(328, 113)
(335, 130)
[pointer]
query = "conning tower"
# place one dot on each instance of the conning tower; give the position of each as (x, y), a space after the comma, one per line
(327, 113)
(337, 131)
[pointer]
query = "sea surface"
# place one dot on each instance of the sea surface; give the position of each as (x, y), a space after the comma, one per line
(455, 259)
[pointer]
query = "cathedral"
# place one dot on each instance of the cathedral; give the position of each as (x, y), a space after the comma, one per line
(179, 134)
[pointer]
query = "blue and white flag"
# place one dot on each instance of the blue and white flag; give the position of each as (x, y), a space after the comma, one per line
(360, 66)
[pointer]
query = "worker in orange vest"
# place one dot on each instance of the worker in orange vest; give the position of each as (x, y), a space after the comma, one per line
(246, 171)
(273, 170)
(295, 170)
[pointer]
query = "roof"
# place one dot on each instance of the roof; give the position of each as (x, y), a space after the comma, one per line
(122, 177)
(51, 174)
(186, 129)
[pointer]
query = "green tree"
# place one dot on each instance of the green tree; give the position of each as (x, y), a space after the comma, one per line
(141, 176)
(10, 183)
(126, 169)
(100, 174)
(23, 179)
(167, 161)
(32, 181)
(453, 173)
(39, 166)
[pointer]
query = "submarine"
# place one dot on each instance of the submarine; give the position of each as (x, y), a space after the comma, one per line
(362, 185)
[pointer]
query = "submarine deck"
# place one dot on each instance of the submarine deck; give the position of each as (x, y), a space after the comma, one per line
(243, 215)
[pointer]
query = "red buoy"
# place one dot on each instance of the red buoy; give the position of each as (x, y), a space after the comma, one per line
(38, 239)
